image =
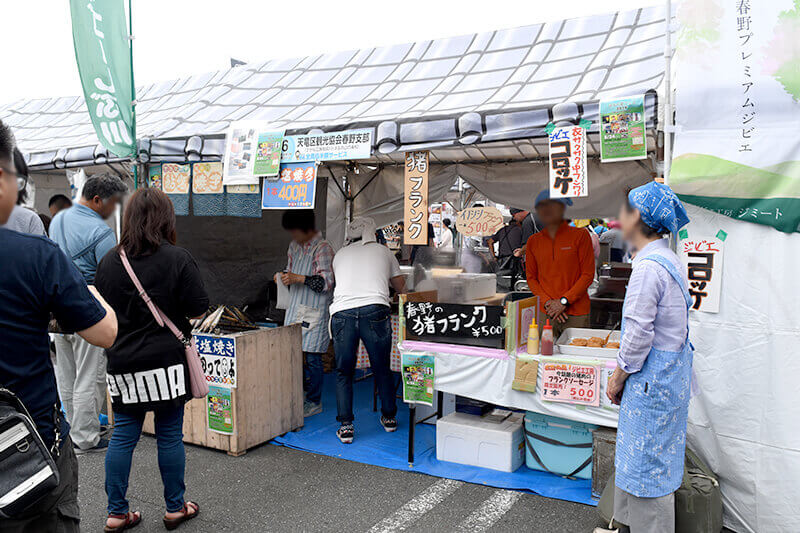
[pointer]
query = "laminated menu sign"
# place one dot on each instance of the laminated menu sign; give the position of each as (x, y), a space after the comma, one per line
(218, 358)
(418, 374)
(334, 146)
(622, 129)
(220, 410)
(437, 321)
(570, 383)
(702, 260)
(295, 188)
(568, 162)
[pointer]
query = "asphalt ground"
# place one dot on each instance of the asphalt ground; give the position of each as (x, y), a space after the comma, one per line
(271, 488)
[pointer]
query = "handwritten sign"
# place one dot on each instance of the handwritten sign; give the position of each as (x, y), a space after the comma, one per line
(702, 260)
(568, 162)
(218, 357)
(416, 198)
(456, 323)
(479, 221)
(207, 178)
(418, 372)
(334, 146)
(175, 178)
(295, 188)
(570, 383)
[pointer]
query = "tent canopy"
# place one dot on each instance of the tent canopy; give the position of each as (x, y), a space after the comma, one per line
(471, 99)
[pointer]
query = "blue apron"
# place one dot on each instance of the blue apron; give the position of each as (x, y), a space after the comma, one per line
(651, 436)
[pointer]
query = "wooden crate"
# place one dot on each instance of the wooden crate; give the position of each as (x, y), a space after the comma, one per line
(268, 399)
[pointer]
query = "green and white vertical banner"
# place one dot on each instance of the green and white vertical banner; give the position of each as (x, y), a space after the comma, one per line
(102, 51)
(737, 149)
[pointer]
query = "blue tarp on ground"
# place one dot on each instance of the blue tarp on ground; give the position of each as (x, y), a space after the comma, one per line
(372, 445)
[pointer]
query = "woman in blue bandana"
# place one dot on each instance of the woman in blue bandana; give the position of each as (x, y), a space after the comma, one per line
(654, 366)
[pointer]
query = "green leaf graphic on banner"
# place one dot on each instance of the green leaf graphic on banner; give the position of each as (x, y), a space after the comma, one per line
(549, 128)
(683, 234)
(100, 36)
(585, 123)
(721, 235)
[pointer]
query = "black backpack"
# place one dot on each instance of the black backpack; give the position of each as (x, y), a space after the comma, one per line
(28, 470)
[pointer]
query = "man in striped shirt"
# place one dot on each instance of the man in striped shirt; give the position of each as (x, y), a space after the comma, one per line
(309, 277)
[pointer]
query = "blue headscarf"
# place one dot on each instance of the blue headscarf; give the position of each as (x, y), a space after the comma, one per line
(659, 207)
(545, 195)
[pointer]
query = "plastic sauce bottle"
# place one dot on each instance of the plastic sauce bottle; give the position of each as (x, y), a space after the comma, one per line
(547, 339)
(533, 338)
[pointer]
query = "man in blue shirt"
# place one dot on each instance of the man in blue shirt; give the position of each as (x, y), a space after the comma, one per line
(37, 279)
(83, 235)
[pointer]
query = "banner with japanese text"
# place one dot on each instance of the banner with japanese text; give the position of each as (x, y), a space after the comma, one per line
(100, 37)
(568, 162)
(294, 188)
(416, 198)
(334, 146)
(702, 259)
(737, 151)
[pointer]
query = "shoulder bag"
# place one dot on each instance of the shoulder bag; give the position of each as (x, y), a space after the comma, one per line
(197, 378)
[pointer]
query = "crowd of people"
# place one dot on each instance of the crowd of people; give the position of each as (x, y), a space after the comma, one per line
(108, 302)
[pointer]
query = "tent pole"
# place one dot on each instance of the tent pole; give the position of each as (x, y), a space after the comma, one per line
(668, 111)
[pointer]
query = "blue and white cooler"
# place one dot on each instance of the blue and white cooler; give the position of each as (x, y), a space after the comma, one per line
(558, 446)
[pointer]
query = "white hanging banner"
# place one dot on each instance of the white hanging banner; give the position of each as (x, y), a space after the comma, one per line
(568, 162)
(702, 258)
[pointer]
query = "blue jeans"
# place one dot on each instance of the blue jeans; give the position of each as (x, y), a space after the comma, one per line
(372, 325)
(312, 377)
(171, 457)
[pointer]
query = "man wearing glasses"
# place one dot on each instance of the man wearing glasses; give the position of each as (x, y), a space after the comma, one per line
(23, 220)
(83, 235)
(37, 279)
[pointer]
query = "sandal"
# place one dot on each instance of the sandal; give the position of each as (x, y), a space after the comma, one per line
(131, 520)
(172, 523)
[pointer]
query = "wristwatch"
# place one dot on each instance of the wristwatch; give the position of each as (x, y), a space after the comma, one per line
(564, 300)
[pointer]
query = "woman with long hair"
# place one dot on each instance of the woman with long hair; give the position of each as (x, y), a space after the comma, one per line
(147, 364)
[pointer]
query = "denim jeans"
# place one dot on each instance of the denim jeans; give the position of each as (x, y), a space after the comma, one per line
(372, 325)
(171, 457)
(312, 377)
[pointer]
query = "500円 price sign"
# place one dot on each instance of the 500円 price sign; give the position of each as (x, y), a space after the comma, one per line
(570, 383)
(218, 357)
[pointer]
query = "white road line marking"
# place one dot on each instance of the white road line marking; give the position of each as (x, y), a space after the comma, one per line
(418, 506)
(490, 511)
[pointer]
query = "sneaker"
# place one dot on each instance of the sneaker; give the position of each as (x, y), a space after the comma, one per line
(101, 446)
(345, 433)
(311, 409)
(389, 423)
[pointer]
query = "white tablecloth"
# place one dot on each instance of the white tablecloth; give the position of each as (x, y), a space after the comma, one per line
(489, 380)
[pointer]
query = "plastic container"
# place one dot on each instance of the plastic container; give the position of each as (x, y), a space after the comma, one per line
(546, 345)
(478, 441)
(564, 346)
(533, 338)
(554, 456)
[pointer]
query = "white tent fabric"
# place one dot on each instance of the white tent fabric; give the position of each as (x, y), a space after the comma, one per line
(746, 423)
(477, 97)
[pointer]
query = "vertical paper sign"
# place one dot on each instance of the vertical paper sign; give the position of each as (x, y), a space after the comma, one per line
(416, 198)
(207, 178)
(702, 258)
(568, 162)
(622, 129)
(570, 383)
(418, 373)
(268, 153)
(240, 154)
(220, 410)
(175, 178)
(293, 189)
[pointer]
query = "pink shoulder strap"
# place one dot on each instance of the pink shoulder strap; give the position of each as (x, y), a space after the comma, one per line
(161, 318)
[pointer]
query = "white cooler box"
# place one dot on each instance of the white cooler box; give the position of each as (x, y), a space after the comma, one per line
(478, 441)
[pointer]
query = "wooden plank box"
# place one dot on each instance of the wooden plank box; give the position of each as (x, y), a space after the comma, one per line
(268, 399)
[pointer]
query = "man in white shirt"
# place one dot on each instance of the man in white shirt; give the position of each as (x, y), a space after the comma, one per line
(361, 312)
(446, 236)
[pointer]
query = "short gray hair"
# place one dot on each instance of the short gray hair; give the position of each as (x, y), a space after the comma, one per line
(105, 186)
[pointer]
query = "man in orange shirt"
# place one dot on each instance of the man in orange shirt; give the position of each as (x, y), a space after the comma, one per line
(559, 265)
